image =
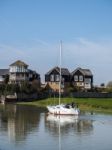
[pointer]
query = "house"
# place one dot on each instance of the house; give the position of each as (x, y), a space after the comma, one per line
(33, 75)
(19, 72)
(4, 73)
(82, 78)
(52, 78)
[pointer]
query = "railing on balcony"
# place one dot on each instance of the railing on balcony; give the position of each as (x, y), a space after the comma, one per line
(19, 78)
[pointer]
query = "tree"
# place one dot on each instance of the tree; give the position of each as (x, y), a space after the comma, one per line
(25, 87)
(28, 88)
(6, 80)
(2, 89)
(35, 86)
(109, 86)
(102, 84)
(11, 88)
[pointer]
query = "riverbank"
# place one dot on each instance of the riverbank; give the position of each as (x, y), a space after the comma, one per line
(87, 104)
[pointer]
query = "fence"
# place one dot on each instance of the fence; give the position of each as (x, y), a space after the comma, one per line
(83, 95)
(91, 95)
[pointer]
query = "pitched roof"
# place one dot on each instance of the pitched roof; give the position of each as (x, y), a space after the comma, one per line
(64, 71)
(19, 63)
(4, 72)
(85, 72)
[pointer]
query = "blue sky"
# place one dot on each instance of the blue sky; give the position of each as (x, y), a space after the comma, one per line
(30, 30)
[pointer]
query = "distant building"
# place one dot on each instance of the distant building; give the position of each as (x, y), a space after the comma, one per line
(82, 78)
(19, 72)
(33, 75)
(3, 74)
(52, 78)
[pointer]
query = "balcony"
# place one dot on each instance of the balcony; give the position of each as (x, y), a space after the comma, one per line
(18, 78)
(16, 69)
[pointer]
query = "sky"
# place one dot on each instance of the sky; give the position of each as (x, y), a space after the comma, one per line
(31, 30)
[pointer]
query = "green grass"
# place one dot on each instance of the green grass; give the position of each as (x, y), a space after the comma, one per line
(88, 104)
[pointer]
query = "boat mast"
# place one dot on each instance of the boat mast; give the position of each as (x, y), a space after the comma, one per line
(60, 72)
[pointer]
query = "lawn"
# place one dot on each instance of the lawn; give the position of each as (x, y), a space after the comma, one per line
(88, 104)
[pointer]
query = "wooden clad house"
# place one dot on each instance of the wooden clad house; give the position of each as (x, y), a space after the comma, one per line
(18, 72)
(52, 79)
(33, 75)
(82, 78)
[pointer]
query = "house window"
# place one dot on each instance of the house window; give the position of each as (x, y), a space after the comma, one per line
(80, 78)
(52, 77)
(57, 78)
(12, 69)
(87, 80)
(30, 75)
(75, 78)
(1, 78)
(17, 69)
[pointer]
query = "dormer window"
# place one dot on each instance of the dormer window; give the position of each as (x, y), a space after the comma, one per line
(80, 78)
(57, 78)
(51, 77)
(75, 78)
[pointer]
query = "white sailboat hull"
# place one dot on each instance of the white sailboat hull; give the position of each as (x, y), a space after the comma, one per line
(62, 110)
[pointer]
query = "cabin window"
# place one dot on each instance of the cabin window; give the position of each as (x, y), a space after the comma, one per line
(80, 78)
(75, 78)
(52, 77)
(57, 78)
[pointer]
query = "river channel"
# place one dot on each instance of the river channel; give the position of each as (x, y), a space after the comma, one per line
(31, 128)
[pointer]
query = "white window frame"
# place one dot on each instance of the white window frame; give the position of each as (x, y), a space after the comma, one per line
(87, 80)
(76, 78)
(81, 78)
(57, 77)
(52, 77)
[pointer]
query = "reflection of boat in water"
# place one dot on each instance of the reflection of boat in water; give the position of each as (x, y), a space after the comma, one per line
(62, 119)
(59, 123)
(77, 124)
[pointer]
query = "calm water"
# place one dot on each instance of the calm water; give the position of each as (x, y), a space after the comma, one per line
(30, 128)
